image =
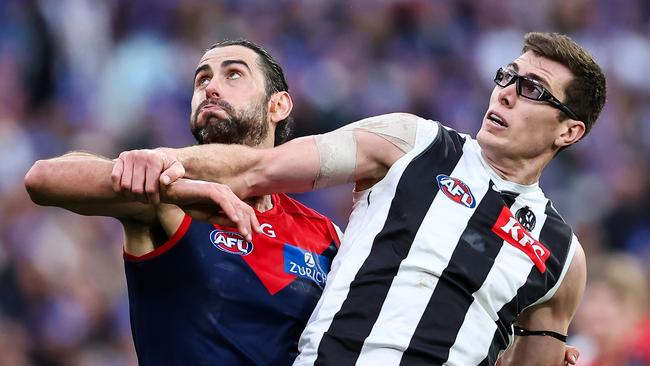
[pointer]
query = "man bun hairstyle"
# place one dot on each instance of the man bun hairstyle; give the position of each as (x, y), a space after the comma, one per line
(274, 82)
(586, 93)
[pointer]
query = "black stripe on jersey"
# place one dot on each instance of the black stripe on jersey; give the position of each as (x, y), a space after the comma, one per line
(556, 236)
(468, 267)
(509, 197)
(417, 188)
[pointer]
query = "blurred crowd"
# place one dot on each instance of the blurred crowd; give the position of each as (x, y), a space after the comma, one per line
(111, 75)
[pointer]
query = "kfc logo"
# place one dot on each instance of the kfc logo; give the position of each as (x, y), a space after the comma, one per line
(510, 230)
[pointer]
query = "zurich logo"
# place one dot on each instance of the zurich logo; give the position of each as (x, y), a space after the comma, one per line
(306, 264)
(456, 190)
(231, 242)
(309, 259)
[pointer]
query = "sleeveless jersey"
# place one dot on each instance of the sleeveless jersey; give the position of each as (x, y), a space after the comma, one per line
(209, 297)
(438, 259)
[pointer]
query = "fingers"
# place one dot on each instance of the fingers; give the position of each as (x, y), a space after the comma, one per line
(116, 175)
(137, 174)
(174, 172)
(572, 354)
(151, 186)
(255, 224)
(214, 202)
(127, 174)
(236, 210)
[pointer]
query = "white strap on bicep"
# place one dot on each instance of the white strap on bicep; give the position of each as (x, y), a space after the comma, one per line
(338, 149)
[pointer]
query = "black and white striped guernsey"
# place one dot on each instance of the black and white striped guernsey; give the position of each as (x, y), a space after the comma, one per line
(437, 261)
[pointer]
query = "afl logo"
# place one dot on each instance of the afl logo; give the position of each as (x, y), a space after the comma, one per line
(456, 190)
(231, 242)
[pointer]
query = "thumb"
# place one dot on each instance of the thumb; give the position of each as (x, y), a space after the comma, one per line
(173, 173)
(573, 355)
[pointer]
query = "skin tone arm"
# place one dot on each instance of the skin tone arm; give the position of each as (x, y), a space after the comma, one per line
(554, 315)
(249, 172)
(81, 182)
(78, 182)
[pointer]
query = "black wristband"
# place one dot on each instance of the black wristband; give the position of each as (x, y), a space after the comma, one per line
(521, 332)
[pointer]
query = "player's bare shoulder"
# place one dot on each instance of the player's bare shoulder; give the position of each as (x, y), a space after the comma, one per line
(400, 129)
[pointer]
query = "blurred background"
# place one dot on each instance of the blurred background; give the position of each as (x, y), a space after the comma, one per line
(112, 75)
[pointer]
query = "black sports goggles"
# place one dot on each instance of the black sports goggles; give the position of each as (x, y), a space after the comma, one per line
(531, 89)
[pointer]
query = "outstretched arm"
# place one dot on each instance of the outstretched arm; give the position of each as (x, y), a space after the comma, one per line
(553, 315)
(361, 152)
(80, 182)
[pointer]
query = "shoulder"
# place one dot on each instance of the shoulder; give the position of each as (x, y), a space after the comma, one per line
(403, 126)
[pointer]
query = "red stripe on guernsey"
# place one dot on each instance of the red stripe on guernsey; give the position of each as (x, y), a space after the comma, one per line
(293, 224)
(178, 235)
(510, 230)
(267, 260)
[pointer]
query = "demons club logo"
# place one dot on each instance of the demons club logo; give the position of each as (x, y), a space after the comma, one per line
(456, 190)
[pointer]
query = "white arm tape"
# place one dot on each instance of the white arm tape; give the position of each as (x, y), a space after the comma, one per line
(338, 149)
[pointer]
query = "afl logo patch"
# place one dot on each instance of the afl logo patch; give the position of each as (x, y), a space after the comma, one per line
(456, 190)
(231, 242)
(526, 218)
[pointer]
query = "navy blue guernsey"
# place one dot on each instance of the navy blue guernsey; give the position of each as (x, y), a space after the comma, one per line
(208, 297)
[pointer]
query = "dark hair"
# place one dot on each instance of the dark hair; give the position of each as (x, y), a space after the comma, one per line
(585, 94)
(274, 82)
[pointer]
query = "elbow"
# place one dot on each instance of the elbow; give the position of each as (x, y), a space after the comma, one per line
(35, 182)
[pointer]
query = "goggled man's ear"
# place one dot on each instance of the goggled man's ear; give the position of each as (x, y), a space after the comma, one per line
(573, 131)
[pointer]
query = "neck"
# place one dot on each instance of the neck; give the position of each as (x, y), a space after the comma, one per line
(520, 171)
(261, 204)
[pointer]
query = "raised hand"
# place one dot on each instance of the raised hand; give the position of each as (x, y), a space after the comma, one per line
(571, 355)
(212, 202)
(138, 174)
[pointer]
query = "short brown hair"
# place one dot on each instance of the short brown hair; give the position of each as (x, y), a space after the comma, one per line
(585, 94)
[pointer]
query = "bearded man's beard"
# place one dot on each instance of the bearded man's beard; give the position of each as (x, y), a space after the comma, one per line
(245, 127)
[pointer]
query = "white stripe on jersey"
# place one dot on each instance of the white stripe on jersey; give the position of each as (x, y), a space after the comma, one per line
(366, 221)
(508, 274)
(420, 271)
(410, 292)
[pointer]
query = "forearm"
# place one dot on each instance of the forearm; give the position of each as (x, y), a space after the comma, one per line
(361, 152)
(291, 167)
(81, 182)
(227, 164)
